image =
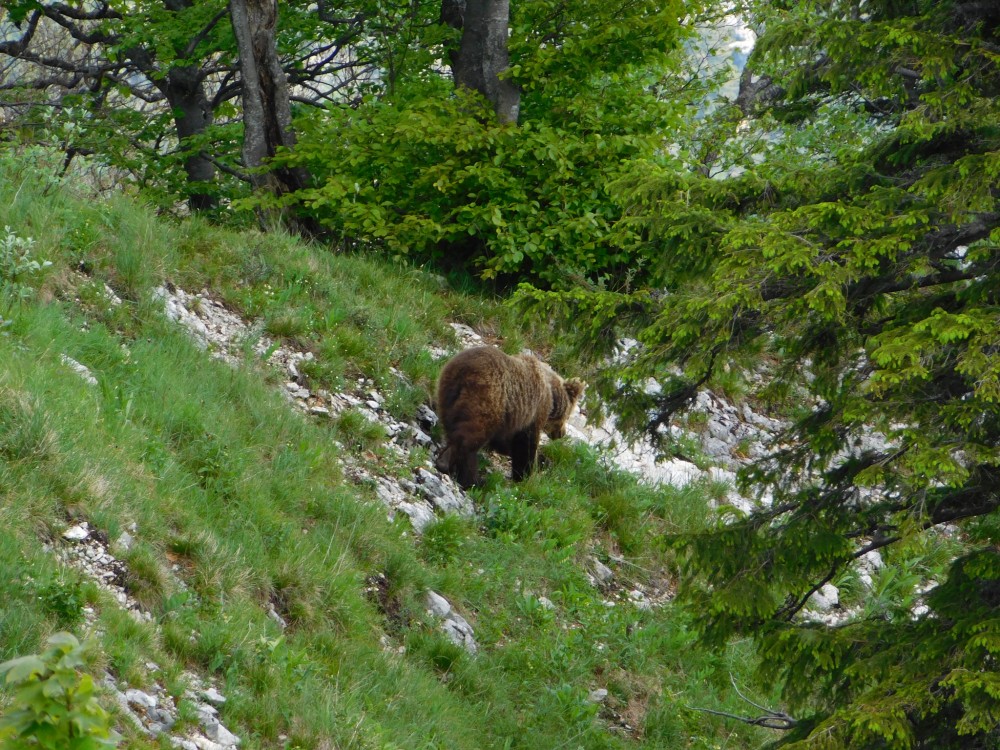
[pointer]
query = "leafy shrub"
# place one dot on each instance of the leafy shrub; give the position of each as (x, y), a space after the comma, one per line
(17, 266)
(54, 707)
(443, 539)
(437, 180)
(64, 598)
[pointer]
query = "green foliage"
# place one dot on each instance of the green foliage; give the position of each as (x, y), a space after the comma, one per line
(17, 266)
(24, 433)
(63, 597)
(154, 95)
(442, 540)
(850, 241)
(428, 174)
(53, 705)
(431, 181)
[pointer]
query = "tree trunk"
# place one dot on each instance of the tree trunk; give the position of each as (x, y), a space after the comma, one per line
(267, 112)
(185, 90)
(482, 55)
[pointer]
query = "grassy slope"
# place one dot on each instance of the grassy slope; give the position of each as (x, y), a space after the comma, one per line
(247, 499)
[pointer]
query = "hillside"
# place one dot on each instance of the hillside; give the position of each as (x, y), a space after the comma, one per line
(250, 571)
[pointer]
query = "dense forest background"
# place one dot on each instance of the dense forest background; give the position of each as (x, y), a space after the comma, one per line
(819, 237)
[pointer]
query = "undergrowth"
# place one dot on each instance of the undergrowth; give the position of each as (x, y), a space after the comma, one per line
(241, 504)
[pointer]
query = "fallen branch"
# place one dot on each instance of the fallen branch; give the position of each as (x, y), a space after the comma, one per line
(771, 719)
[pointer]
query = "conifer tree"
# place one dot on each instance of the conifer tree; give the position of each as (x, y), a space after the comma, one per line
(856, 254)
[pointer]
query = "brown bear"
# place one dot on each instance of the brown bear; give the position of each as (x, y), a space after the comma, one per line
(486, 397)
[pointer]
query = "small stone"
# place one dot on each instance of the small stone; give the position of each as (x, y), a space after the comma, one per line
(213, 696)
(224, 737)
(420, 437)
(459, 632)
(602, 572)
(716, 448)
(421, 515)
(437, 604)
(426, 417)
(162, 721)
(209, 725)
(125, 541)
(77, 533)
(639, 599)
(721, 431)
(273, 614)
(443, 496)
(598, 696)
(826, 598)
(79, 369)
(139, 698)
(206, 712)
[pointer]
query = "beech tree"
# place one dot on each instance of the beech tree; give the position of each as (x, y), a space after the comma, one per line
(438, 173)
(267, 112)
(857, 260)
(154, 87)
(102, 51)
(481, 61)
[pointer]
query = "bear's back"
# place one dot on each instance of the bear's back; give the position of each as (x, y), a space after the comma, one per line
(502, 393)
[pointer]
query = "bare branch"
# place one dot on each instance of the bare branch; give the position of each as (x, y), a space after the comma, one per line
(223, 167)
(732, 679)
(100, 12)
(15, 47)
(76, 31)
(200, 36)
(771, 719)
(789, 611)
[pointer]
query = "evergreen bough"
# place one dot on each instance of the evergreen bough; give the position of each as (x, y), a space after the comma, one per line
(854, 250)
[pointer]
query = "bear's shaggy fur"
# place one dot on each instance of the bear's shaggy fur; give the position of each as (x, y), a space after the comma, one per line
(486, 397)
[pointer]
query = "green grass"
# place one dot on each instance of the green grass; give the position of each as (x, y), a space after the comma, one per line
(240, 504)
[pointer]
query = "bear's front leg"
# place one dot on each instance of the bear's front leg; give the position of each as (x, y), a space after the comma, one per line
(523, 449)
(464, 467)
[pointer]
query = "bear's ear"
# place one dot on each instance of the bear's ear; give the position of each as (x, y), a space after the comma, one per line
(574, 389)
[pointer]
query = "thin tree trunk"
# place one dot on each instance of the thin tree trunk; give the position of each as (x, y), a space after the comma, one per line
(185, 90)
(267, 113)
(483, 55)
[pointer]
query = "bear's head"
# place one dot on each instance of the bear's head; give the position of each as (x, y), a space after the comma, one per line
(565, 394)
